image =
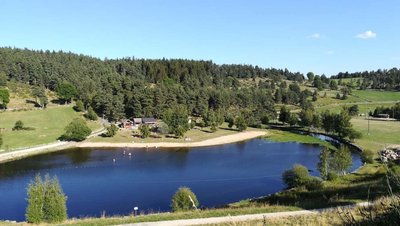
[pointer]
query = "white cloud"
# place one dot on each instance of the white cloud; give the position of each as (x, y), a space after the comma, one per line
(315, 36)
(329, 52)
(367, 35)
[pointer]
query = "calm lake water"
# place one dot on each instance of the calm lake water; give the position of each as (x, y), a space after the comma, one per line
(95, 184)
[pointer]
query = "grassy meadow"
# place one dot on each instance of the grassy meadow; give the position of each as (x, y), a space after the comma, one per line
(48, 125)
(285, 136)
(382, 133)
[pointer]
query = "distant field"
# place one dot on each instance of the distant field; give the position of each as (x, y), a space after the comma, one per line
(374, 95)
(382, 133)
(49, 124)
(285, 136)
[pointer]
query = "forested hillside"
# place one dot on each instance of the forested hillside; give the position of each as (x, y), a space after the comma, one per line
(138, 87)
(380, 79)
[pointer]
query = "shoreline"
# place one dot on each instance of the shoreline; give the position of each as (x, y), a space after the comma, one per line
(62, 145)
(227, 139)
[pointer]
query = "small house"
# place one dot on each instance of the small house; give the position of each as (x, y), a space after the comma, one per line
(149, 121)
(137, 121)
(383, 115)
(127, 124)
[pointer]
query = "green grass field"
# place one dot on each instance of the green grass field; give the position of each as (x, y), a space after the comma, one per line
(285, 136)
(374, 95)
(48, 125)
(382, 133)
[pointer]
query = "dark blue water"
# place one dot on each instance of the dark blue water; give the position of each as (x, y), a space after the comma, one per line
(95, 184)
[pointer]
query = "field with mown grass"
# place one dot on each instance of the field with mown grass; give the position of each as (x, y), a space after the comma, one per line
(48, 125)
(381, 133)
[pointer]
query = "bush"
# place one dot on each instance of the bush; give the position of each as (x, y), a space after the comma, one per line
(46, 201)
(368, 156)
(332, 176)
(295, 177)
(314, 183)
(111, 130)
(79, 106)
(19, 125)
(91, 114)
(77, 130)
(184, 199)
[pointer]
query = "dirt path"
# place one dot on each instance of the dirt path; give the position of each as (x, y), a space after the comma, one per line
(240, 218)
(210, 142)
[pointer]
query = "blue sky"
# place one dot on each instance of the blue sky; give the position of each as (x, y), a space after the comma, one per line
(322, 36)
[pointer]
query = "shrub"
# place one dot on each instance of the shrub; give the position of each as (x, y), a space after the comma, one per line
(332, 176)
(144, 131)
(46, 201)
(111, 130)
(77, 130)
(91, 114)
(79, 106)
(295, 177)
(19, 125)
(368, 156)
(314, 183)
(184, 199)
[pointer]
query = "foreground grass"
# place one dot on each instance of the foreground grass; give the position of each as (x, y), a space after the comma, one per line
(181, 215)
(368, 182)
(382, 133)
(286, 136)
(48, 125)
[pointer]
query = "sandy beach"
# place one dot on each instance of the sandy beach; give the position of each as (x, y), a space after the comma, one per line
(9, 156)
(210, 142)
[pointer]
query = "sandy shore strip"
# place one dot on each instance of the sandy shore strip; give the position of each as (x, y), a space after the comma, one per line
(210, 142)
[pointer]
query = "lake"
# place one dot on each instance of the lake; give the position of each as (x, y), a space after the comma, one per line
(95, 184)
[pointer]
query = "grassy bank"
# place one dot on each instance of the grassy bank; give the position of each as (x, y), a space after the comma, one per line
(286, 136)
(48, 125)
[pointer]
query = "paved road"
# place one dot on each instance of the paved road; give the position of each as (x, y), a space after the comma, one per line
(240, 218)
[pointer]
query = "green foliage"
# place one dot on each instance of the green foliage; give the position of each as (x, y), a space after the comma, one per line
(313, 184)
(323, 164)
(162, 128)
(240, 123)
(332, 176)
(144, 130)
(66, 92)
(333, 85)
(19, 125)
(111, 130)
(310, 76)
(3, 79)
(295, 177)
(36, 193)
(40, 95)
(1, 140)
(177, 120)
(79, 106)
(91, 115)
(368, 156)
(341, 160)
(264, 119)
(46, 201)
(284, 114)
(77, 130)
(4, 97)
(182, 200)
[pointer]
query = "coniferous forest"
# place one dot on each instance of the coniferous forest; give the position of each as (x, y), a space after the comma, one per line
(137, 87)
